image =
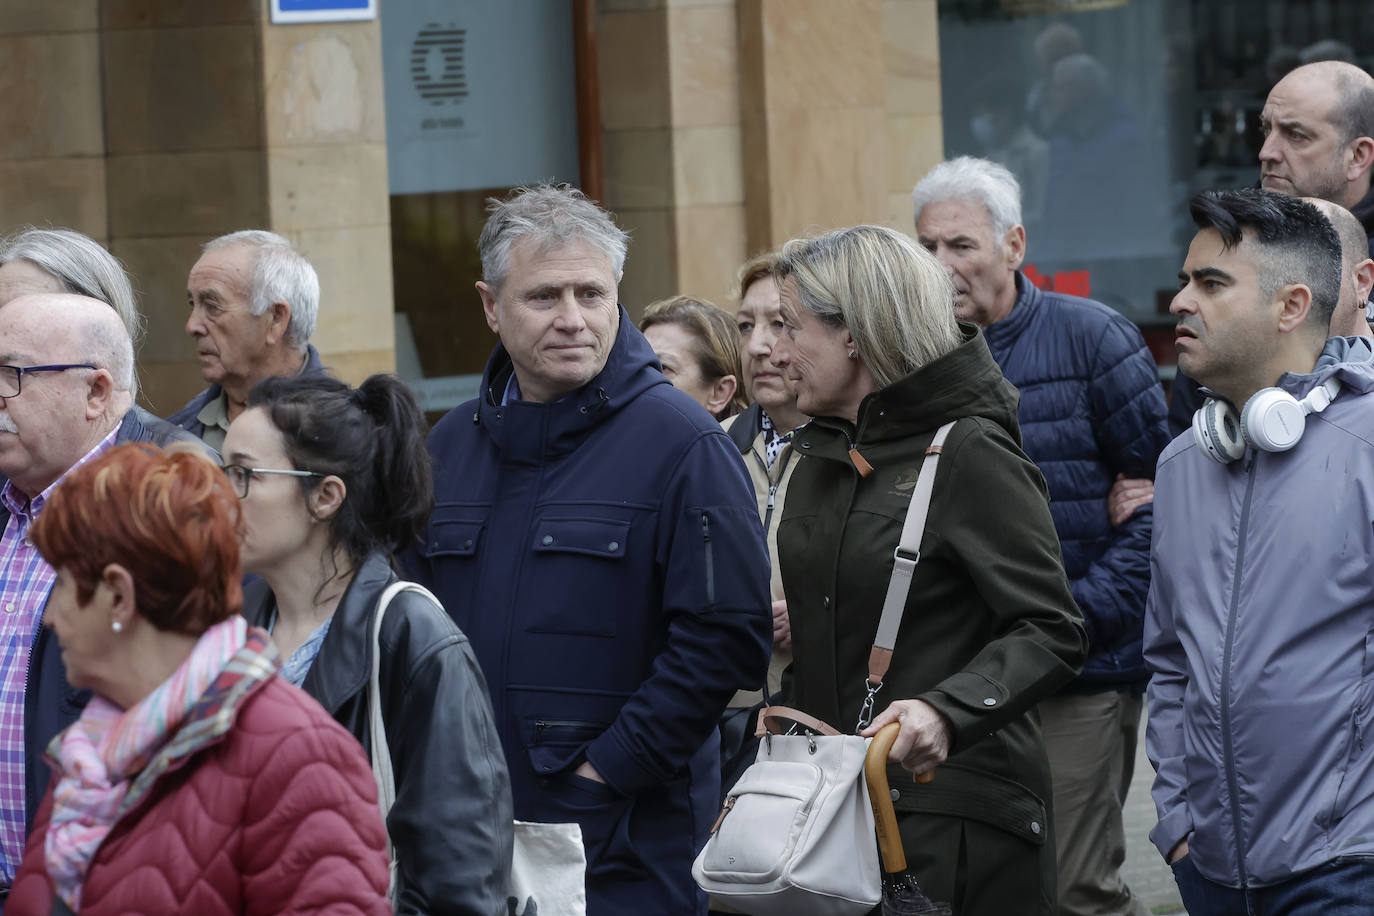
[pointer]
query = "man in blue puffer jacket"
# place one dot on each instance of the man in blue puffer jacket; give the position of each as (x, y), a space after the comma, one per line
(1091, 409)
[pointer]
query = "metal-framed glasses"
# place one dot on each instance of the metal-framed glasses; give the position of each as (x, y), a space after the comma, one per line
(239, 476)
(12, 377)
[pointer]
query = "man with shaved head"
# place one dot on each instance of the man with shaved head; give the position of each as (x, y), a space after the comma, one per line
(65, 397)
(1319, 137)
(1357, 271)
(1318, 127)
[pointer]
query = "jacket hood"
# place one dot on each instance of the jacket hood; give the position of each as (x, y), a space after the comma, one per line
(1351, 359)
(966, 382)
(554, 429)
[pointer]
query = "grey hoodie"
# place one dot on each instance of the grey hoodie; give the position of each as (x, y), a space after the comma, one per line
(1259, 636)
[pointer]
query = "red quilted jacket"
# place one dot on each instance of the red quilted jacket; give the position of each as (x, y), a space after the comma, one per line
(277, 816)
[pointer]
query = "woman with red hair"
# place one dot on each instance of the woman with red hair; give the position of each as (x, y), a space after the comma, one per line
(196, 779)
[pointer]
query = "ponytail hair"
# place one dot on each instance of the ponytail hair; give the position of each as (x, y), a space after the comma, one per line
(372, 438)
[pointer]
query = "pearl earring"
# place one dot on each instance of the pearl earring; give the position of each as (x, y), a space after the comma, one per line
(116, 626)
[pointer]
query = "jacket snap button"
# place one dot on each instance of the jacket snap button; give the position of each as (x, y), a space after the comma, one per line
(1035, 827)
(548, 539)
(895, 794)
(613, 545)
(989, 701)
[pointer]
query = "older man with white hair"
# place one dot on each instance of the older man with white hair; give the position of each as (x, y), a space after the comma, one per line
(254, 299)
(1092, 409)
(65, 397)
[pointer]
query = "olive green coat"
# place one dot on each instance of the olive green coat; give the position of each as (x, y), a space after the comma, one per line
(990, 625)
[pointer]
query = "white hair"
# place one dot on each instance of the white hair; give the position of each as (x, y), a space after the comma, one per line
(980, 181)
(280, 274)
(550, 216)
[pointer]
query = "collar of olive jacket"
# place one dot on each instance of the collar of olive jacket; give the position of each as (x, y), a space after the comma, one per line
(965, 382)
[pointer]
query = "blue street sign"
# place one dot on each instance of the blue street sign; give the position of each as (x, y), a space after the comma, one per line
(287, 11)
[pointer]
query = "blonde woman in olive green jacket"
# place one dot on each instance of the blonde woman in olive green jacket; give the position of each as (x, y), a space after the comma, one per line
(990, 626)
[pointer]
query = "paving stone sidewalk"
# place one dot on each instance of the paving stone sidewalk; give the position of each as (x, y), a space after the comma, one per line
(1145, 872)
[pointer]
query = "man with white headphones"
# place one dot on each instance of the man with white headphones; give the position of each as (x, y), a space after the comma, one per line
(1259, 629)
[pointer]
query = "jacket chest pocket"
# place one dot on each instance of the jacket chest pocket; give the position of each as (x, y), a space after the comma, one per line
(577, 579)
(451, 552)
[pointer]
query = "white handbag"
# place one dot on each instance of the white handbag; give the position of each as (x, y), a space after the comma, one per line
(785, 842)
(796, 833)
(549, 865)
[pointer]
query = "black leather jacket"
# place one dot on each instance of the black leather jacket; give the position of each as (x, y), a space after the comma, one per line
(451, 825)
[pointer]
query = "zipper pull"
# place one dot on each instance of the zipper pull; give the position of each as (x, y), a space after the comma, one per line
(724, 810)
(860, 463)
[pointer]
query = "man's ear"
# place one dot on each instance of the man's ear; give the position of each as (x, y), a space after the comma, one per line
(1294, 302)
(1359, 157)
(278, 320)
(99, 394)
(1014, 245)
(721, 393)
(1364, 281)
(326, 497)
(489, 306)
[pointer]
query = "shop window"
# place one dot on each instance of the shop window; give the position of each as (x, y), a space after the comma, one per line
(480, 98)
(1113, 113)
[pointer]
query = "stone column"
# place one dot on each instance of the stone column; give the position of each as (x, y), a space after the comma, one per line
(730, 126)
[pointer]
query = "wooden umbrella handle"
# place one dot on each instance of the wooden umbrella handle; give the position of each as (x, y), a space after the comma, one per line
(879, 796)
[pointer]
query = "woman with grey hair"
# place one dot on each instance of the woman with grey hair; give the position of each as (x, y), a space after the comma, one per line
(989, 625)
(63, 261)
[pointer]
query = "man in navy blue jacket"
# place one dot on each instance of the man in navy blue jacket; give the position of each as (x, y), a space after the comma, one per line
(1091, 409)
(596, 536)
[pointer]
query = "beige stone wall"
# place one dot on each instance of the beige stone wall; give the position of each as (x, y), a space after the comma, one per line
(730, 126)
(184, 144)
(52, 147)
(155, 125)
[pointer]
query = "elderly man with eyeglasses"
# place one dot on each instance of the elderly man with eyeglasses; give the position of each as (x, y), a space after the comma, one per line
(65, 397)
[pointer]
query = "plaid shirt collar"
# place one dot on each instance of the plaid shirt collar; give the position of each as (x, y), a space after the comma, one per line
(19, 503)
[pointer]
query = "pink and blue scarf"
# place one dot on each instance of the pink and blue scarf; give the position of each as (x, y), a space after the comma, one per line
(99, 756)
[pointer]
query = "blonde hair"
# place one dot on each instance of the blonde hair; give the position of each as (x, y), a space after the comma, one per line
(890, 293)
(716, 338)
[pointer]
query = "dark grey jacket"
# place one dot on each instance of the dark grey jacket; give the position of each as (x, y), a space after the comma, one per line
(452, 821)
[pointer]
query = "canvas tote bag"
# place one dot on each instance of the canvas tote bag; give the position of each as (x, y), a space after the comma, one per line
(549, 866)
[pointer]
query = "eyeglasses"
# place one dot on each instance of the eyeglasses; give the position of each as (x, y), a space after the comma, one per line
(12, 377)
(239, 476)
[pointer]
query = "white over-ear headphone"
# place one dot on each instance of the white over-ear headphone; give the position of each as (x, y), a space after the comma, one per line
(1272, 421)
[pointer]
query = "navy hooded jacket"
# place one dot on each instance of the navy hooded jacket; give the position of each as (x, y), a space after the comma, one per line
(604, 555)
(1091, 407)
